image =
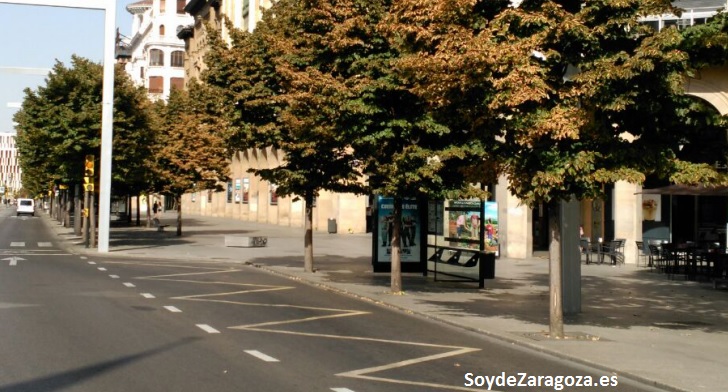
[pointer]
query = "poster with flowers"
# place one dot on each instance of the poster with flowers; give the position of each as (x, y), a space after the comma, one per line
(651, 208)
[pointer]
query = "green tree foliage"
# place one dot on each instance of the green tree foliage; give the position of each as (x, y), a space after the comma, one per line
(315, 80)
(60, 123)
(707, 44)
(564, 96)
(192, 154)
(286, 81)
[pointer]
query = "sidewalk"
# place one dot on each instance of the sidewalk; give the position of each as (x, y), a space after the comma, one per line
(635, 322)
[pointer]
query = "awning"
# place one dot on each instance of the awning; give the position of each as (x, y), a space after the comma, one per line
(697, 190)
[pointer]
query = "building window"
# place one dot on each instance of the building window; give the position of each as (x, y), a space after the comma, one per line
(246, 190)
(156, 57)
(655, 24)
(161, 30)
(273, 194)
(177, 83)
(181, 7)
(668, 23)
(178, 58)
(162, 6)
(141, 72)
(156, 84)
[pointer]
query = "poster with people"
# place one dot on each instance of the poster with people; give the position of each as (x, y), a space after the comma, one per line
(490, 226)
(465, 219)
(463, 223)
(409, 227)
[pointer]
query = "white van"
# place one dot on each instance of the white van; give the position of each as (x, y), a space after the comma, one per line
(26, 206)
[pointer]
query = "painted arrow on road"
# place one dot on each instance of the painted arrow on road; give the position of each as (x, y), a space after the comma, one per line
(13, 260)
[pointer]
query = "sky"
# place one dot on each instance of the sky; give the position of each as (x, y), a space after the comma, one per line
(36, 37)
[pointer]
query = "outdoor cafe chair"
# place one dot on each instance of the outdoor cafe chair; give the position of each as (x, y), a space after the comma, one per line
(642, 255)
(657, 258)
(614, 250)
(589, 252)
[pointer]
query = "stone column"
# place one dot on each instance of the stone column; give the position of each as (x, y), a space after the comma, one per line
(627, 215)
(514, 223)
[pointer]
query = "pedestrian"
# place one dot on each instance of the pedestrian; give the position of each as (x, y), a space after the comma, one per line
(460, 225)
(474, 226)
(155, 208)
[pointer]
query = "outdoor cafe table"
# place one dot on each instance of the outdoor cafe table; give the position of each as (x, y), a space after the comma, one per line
(694, 262)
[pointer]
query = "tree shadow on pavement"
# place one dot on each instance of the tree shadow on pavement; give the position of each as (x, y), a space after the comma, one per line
(621, 299)
(624, 302)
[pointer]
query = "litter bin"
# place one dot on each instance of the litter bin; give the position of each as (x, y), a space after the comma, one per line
(487, 265)
(332, 226)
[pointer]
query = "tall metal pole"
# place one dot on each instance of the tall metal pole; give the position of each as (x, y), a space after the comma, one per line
(107, 110)
(107, 121)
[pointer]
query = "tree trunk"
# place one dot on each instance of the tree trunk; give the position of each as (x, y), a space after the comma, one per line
(556, 314)
(178, 202)
(92, 218)
(59, 208)
(137, 211)
(396, 273)
(308, 236)
(149, 210)
(67, 208)
(78, 205)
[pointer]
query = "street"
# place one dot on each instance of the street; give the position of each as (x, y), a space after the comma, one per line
(87, 323)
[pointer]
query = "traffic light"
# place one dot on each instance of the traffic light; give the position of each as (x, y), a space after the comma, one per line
(88, 184)
(88, 166)
(88, 173)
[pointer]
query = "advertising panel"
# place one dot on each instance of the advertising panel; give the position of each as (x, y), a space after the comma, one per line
(237, 190)
(490, 226)
(463, 223)
(464, 220)
(409, 230)
(246, 190)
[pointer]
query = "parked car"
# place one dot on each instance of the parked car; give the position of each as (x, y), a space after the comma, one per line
(26, 206)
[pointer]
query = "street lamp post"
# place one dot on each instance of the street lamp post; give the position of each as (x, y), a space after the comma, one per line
(107, 110)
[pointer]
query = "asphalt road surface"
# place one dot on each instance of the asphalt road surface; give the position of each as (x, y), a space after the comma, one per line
(75, 323)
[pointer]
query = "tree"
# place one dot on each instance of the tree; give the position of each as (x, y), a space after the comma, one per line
(60, 123)
(286, 79)
(565, 97)
(192, 153)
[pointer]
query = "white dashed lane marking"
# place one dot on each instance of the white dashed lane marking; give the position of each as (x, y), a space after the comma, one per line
(92, 262)
(207, 328)
(341, 390)
(102, 269)
(261, 356)
(147, 295)
(127, 284)
(44, 245)
(114, 276)
(173, 309)
(17, 244)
